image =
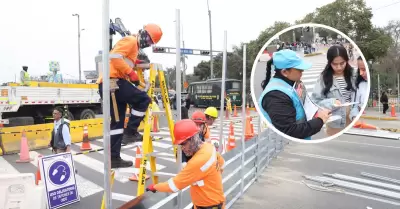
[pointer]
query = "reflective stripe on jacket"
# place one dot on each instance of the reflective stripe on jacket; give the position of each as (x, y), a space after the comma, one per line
(202, 173)
(122, 58)
(280, 85)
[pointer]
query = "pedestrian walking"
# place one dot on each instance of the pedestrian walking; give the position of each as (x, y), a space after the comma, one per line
(60, 136)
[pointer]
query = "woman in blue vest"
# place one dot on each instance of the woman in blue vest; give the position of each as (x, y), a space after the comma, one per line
(280, 103)
(336, 86)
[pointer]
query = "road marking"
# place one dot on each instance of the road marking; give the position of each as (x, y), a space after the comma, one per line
(376, 145)
(389, 167)
(126, 157)
(345, 192)
(122, 197)
(6, 167)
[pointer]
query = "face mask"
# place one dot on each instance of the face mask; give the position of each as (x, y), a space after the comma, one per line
(144, 39)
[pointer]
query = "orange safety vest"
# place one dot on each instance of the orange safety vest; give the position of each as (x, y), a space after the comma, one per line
(206, 133)
(126, 50)
(202, 173)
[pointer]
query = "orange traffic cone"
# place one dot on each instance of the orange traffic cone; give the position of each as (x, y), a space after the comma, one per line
(38, 177)
(393, 112)
(138, 159)
(358, 124)
(231, 139)
(248, 134)
(247, 110)
(85, 141)
(155, 124)
(368, 126)
(234, 111)
(24, 150)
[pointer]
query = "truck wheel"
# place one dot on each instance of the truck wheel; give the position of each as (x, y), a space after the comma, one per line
(87, 114)
(20, 121)
(69, 115)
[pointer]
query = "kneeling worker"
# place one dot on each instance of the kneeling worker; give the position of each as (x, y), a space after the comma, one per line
(202, 172)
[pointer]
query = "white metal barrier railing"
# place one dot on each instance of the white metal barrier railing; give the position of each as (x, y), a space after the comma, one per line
(257, 155)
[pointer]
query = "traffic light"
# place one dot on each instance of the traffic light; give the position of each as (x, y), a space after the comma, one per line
(204, 52)
(158, 49)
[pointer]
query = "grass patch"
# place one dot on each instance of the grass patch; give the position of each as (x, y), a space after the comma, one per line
(312, 54)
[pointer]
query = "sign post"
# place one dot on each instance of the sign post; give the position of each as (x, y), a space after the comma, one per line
(58, 172)
(221, 115)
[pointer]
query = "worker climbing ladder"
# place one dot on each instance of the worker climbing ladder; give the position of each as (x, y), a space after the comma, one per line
(147, 145)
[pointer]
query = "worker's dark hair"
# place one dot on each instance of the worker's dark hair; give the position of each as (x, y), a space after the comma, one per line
(359, 77)
(25, 67)
(265, 82)
(60, 110)
(327, 74)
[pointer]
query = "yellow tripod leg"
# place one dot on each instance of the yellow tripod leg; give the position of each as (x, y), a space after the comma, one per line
(112, 183)
(166, 101)
(146, 136)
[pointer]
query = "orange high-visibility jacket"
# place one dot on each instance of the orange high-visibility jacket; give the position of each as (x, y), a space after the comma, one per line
(207, 133)
(122, 58)
(202, 173)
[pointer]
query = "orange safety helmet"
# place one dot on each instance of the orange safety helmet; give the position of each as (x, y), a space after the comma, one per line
(184, 130)
(154, 32)
(199, 117)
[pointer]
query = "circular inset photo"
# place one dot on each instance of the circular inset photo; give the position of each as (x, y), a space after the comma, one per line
(310, 83)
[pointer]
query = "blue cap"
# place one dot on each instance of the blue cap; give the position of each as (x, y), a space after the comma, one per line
(286, 58)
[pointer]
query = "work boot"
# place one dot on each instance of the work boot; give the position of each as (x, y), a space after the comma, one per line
(118, 162)
(131, 138)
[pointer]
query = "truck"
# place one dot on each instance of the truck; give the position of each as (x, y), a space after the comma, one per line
(33, 104)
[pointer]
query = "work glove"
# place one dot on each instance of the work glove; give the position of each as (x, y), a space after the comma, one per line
(133, 77)
(151, 188)
(138, 61)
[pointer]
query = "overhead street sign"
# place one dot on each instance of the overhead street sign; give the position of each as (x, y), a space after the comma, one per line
(171, 50)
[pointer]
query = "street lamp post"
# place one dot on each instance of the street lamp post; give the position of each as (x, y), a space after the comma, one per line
(372, 86)
(211, 54)
(79, 47)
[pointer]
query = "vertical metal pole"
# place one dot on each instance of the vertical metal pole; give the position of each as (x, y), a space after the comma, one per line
(106, 103)
(79, 49)
(211, 54)
(379, 95)
(221, 114)
(243, 119)
(183, 64)
(178, 92)
(398, 92)
(178, 64)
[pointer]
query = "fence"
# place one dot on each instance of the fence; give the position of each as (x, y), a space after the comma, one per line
(257, 155)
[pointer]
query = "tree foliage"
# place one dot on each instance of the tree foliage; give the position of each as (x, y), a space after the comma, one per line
(352, 17)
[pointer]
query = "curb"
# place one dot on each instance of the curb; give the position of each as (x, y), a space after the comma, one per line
(312, 54)
(380, 118)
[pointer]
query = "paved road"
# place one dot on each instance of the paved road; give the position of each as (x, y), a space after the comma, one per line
(90, 167)
(281, 185)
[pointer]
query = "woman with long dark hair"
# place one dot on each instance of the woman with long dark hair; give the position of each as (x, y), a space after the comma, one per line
(362, 88)
(336, 86)
(280, 104)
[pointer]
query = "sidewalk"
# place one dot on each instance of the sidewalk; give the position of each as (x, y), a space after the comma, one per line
(373, 114)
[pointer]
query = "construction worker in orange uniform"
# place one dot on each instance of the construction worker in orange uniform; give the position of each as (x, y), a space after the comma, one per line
(200, 119)
(202, 172)
(123, 57)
